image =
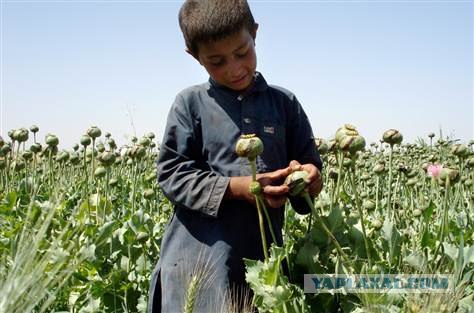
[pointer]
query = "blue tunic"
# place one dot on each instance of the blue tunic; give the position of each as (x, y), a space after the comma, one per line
(208, 236)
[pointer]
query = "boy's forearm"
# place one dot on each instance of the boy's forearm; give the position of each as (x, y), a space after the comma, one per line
(238, 188)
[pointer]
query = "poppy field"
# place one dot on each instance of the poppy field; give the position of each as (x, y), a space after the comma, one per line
(80, 229)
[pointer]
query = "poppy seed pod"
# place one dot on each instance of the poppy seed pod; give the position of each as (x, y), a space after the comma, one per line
(111, 143)
(100, 147)
(148, 194)
(107, 158)
(377, 224)
(460, 150)
(86, 140)
(297, 182)
(379, 168)
(470, 162)
(21, 135)
(369, 205)
(34, 129)
(352, 143)
(255, 188)
(346, 130)
(35, 148)
(151, 136)
(431, 135)
(448, 174)
(2, 142)
(74, 158)
(144, 141)
(27, 155)
(5, 149)
(63, 156)
(322, 146)
(51, 140)
(94, 132)
(392, 137)
(113, 182)
(249, 146)
(100, 171)
(75, 147)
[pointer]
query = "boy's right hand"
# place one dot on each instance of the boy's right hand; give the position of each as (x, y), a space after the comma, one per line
(273, 191)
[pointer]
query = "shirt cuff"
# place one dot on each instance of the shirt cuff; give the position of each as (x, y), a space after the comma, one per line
(217, 194)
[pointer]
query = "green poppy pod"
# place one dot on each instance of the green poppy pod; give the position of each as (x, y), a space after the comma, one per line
(86, 140)
(5, 149)
(333, 173)
(94, 132)
(144, 141)
(255, 188)
(347, 162)
(51, 140)
(460, 150)
(111, 143)
(151, 177)
(379, 168)
(50, 150)
(21, 135)
(470, 162)
(100, 171)
(27, 155)
(249, 146)
(75, 147)
(17, 165)
(2, 142)
(63, 156)
(417, 212)
(346, 130)
(108, 135)
(100, 147)
(448, 174)
(377, 224)
(151, 136)
(392, 137)
(113, 182)
(34, 129)
(107, 158)
(431, 135)
(148, 194)
(74, 158)
(297, 182)
(352, 144)
(369, 205)
(322, 146)
(90, 152)
(134, 139)
(11, 134)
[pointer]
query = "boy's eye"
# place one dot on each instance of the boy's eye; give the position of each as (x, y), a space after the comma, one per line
(242, 54)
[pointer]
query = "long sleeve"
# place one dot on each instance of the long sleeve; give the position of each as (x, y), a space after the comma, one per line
(301, 147)
(184, 176)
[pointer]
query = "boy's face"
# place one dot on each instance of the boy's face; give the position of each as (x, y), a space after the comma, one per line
(231, 61)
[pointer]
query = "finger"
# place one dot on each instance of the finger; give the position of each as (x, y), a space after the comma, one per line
(281, 173)
(275, 190)
(295, 165)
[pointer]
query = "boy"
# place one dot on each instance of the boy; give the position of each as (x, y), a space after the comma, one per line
(215, 222)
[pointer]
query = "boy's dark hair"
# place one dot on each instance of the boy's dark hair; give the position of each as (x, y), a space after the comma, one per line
(203, 21)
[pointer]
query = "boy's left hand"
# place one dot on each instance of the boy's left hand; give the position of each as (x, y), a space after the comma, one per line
(314, 177)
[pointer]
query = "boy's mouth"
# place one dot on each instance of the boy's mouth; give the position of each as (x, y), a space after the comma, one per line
(240, 80)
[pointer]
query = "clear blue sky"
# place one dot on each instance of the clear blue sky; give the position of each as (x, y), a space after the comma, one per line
(67, 65)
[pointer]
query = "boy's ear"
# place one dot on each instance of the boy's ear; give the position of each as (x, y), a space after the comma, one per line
(254, 31)
(188, 51)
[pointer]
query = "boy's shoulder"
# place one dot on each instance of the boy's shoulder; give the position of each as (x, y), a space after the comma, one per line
(282, 92)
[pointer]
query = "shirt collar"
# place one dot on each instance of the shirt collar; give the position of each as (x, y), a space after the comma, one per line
(259, 85)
